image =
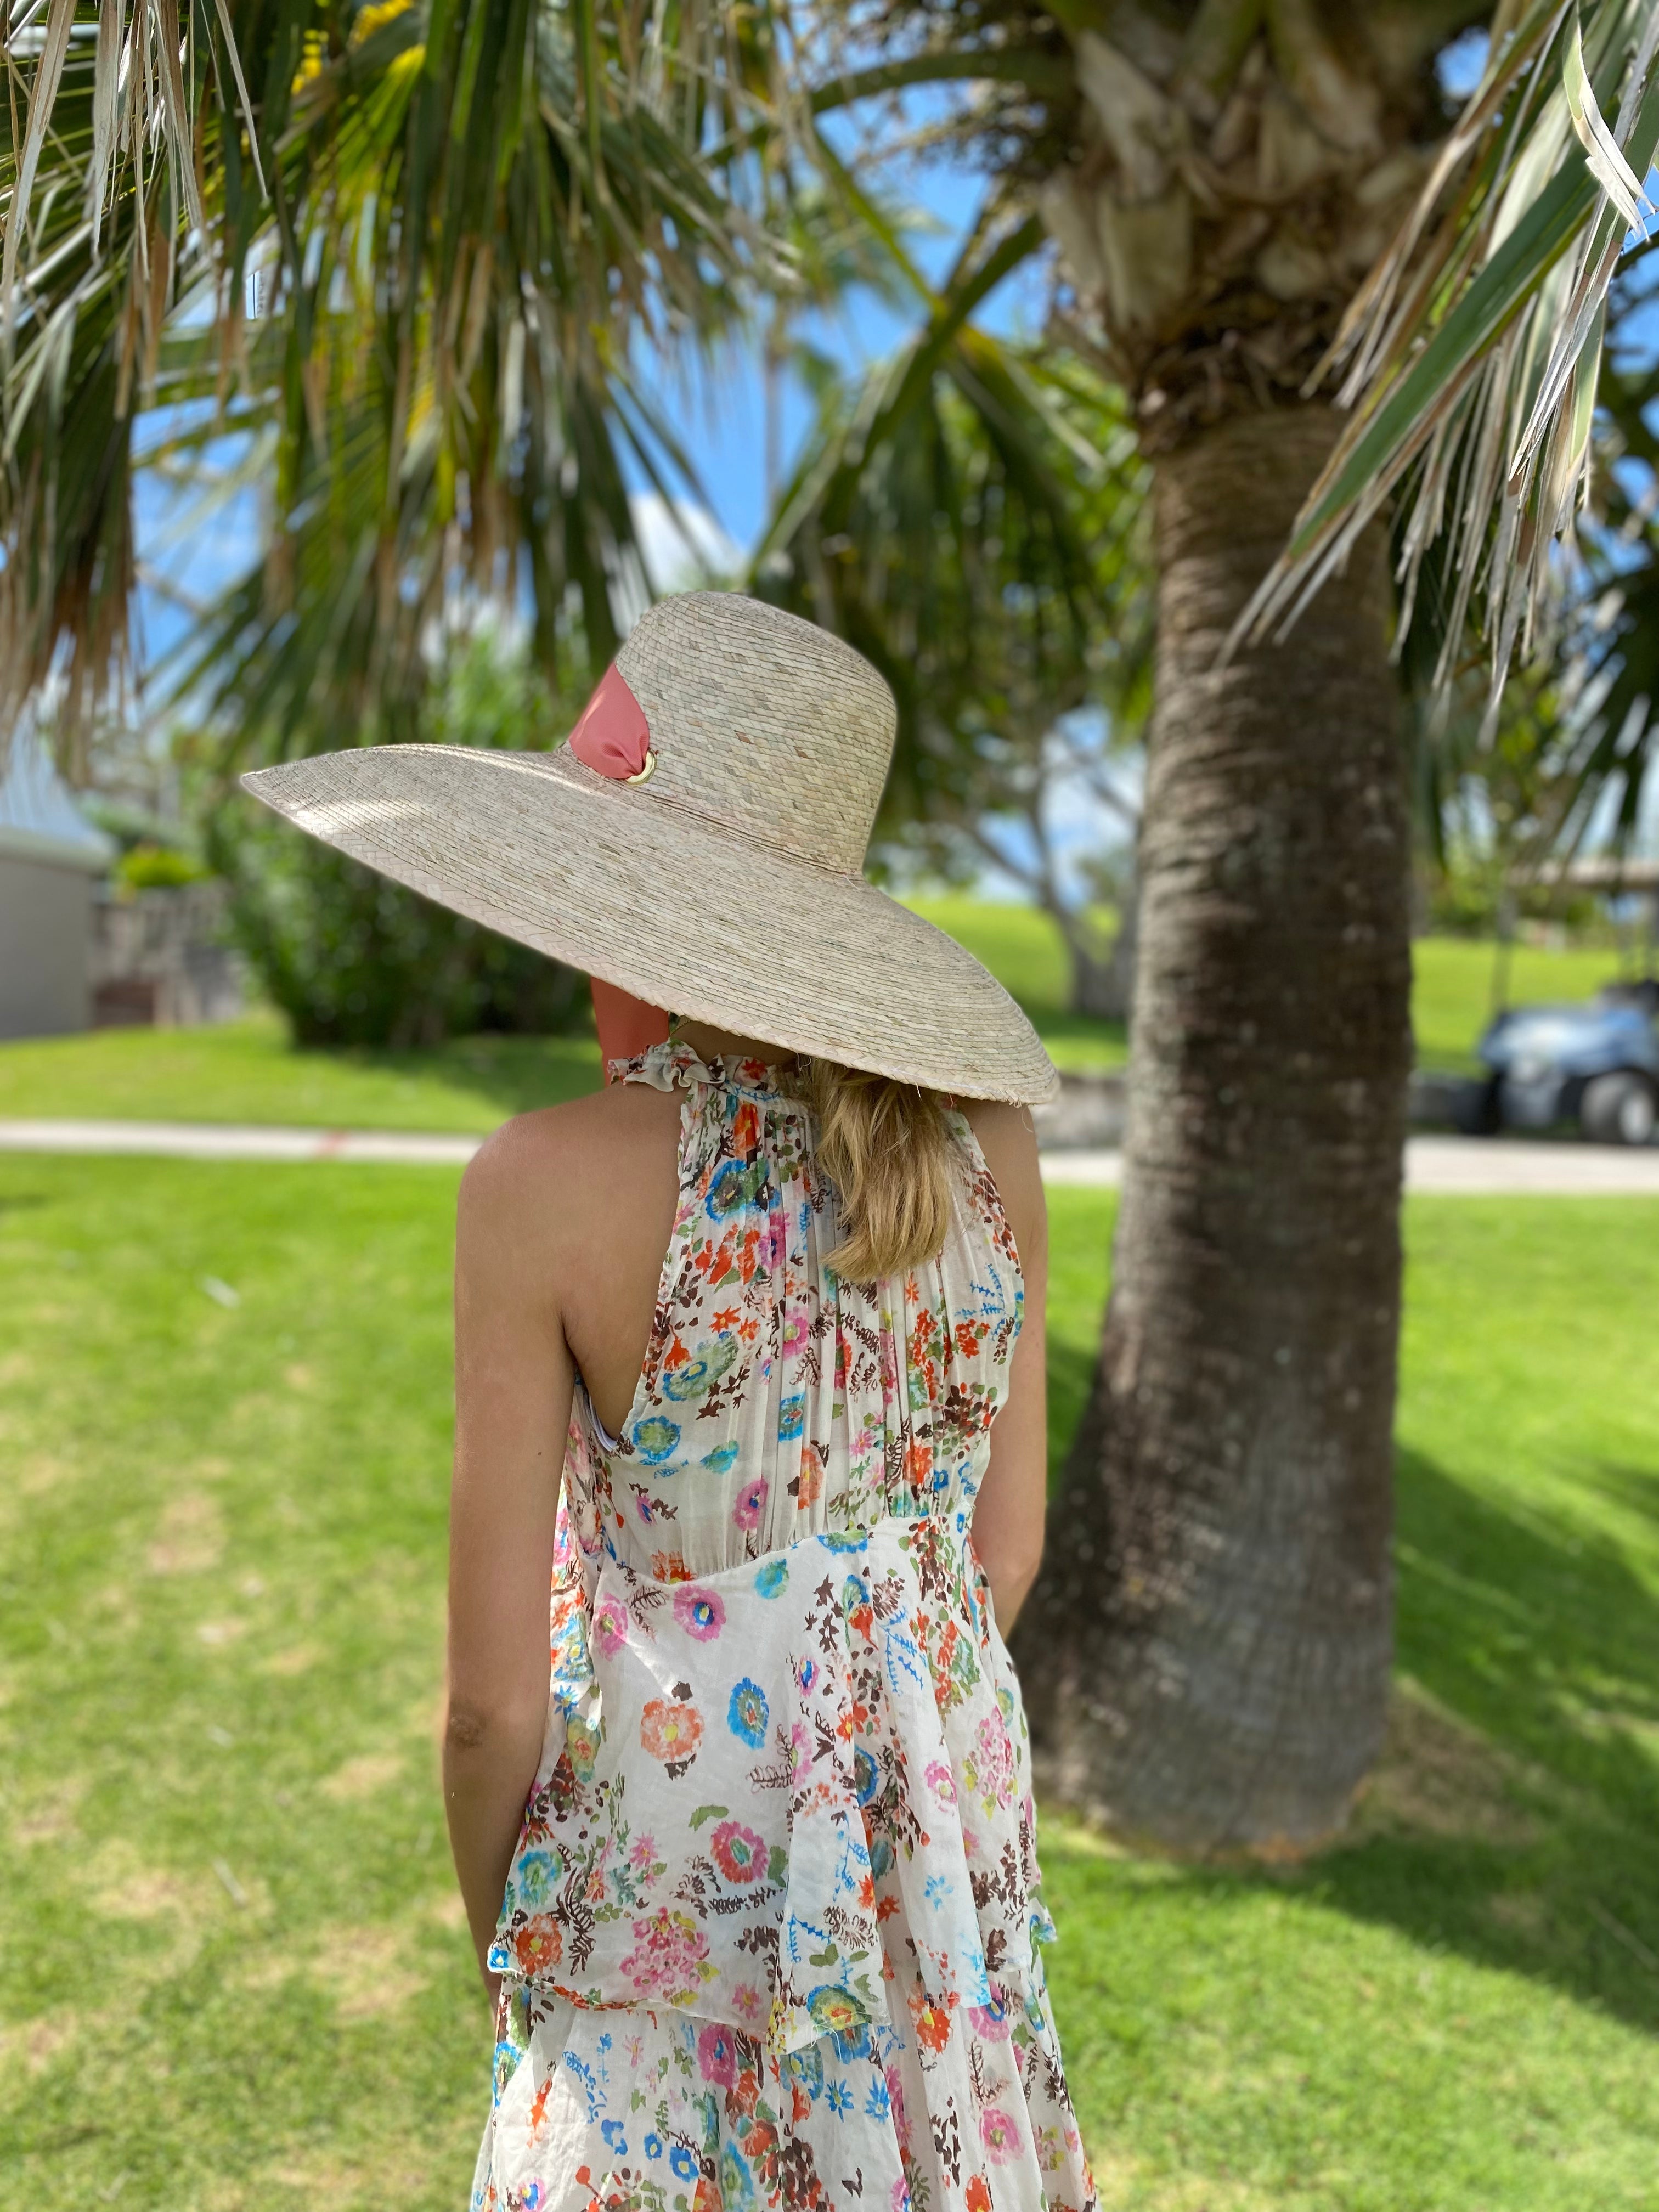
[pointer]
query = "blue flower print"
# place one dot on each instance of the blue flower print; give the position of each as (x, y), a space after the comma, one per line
(721, 1460)
(653, 2146)
(866, 1775)
(737, 2182)
(936, 1890)
(612, 2132)
(656, 1439)
(805, 2067)
(683, 2162)
(534, 1875)
(734, 1187)
(770, 1577)
(747, 1714)
(838, 2097)
(852, 2043)
(877, 2104)
(791, 1415)
(696, 1377)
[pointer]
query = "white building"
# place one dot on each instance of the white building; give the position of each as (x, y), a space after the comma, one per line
(50, 861)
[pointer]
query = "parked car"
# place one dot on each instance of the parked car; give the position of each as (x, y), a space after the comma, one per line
(1595, 1064)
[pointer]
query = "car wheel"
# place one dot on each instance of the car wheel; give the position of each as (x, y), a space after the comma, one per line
(1618, 1109)
(1477, 1110)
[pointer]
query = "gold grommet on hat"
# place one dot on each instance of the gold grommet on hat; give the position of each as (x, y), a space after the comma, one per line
(644, 775)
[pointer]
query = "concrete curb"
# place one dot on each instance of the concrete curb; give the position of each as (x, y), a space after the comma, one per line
(1471, 1167)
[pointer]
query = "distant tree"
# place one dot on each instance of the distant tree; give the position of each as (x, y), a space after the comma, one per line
(971, 513)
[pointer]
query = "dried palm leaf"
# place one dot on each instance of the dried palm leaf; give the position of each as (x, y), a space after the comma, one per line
(1475, 347)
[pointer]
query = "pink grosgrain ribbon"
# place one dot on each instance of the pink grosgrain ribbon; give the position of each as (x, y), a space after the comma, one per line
(612, 735)
(613, 738)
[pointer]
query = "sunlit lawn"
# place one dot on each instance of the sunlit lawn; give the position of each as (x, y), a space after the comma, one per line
(246, 1072)
(232, 1968)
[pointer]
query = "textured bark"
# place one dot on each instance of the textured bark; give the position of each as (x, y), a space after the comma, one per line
(1206, 1656)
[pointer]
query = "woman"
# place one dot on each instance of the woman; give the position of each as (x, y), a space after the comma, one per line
(749, 1369)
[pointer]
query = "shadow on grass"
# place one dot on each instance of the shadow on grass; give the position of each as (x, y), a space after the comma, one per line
(1515, 1817)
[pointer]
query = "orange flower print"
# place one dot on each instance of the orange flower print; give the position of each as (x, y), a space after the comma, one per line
(669, 1567)
(808, 1484)
(932, 2022)
(979, 2194)
(671, 1728)
(919, 1465)
(538, 1945)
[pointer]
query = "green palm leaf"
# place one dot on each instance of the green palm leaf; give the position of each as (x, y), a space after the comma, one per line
(456, 223)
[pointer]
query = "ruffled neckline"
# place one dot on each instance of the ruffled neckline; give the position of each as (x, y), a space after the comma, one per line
(673, 1065)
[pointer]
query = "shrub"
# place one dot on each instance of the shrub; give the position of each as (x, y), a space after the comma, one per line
(353, 958)
(149, 867)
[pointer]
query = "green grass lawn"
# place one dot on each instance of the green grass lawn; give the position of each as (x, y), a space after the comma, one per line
(245, 1070)
(221, 1563)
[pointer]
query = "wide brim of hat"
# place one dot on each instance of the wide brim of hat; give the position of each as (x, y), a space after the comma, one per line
(671, 906)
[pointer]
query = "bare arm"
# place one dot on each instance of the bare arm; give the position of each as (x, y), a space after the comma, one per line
(513, 1381)
(1009, 1515)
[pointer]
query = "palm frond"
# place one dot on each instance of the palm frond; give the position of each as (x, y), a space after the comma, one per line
(424, 243)
(1473, 350)
(969, 514)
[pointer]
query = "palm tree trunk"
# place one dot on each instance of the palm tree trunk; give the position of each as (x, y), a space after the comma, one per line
(1207, 1655)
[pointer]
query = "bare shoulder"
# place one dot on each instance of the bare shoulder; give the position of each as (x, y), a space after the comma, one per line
(545, 1178)
(1007, 1137)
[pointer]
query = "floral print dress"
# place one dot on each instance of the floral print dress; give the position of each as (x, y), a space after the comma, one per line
(770, 1935)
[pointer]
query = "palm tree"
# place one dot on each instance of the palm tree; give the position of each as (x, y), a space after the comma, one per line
(414, 251)
(1207, 1654)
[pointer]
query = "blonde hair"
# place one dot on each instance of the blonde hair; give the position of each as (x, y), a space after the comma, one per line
(888, 1149)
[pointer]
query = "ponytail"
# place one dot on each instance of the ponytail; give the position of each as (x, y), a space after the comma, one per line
(887, 1148)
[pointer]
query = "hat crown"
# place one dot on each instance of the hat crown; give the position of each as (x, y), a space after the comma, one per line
(762, 722)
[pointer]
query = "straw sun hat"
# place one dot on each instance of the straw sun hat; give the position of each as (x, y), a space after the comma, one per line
(698, 842)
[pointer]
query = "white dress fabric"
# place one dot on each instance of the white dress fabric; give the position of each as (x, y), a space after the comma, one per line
(769, 1937)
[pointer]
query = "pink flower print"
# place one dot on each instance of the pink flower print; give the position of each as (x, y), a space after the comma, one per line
(699, 1612)
(901, 2202)
(751, 1504)
(896, 2102)
(670, 1959)
(996, 1762)
(643, 1855)
(610, 1627)
(717, 2054)
(1000, 2136)
(941, 1782)
(989, 2025)
(738, 1852)
(800, 1751)
(746, 2001)
(795, 1331)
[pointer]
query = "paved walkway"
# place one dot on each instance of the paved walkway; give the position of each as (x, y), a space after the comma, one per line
(1470, 1166)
